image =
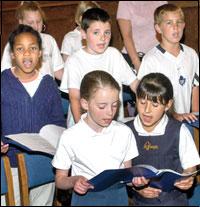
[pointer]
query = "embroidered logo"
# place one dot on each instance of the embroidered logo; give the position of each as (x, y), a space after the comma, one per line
(149, 146)
(182, 80)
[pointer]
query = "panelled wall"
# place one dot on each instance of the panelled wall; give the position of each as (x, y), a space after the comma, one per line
(60, 20)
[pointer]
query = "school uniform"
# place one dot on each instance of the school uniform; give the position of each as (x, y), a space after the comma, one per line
(170, 145)
(81, 63)
(89, 153)
(182, 71)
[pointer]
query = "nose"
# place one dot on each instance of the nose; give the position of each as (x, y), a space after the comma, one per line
(102, 37)
(110, 111)
(27, 51)
(148, 107)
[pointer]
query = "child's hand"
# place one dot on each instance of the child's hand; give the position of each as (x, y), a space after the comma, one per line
(185, 184)
(186, 116)
(4, 147)
(139, 181)
(81, 185)
(149, 192)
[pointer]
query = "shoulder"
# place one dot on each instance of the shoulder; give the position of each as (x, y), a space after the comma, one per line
(6, 74)
(47, 38)
(121, 127)
(188, 49)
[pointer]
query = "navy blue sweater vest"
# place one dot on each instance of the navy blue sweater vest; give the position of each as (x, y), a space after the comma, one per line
(160, 151)
(21, 113)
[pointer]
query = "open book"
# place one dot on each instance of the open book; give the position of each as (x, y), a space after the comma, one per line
(163, 179)
(45, 141)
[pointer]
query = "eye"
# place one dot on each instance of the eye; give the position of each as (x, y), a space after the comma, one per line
(155, 104)
(33, 48)
(108, 33)
(95, 33)
(19, 49)
(142, 101)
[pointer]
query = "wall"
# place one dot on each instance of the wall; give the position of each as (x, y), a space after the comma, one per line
(60, 19)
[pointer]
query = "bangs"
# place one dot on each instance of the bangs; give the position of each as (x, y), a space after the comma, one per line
(152, 93)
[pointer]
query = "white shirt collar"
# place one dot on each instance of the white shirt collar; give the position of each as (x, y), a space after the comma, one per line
(90, 131)
(158, 130)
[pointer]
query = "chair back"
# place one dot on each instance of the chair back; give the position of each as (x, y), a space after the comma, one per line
(34, 170)
(7, 181)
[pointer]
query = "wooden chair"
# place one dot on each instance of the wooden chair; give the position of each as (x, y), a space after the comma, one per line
(33, 170)
(7, 181)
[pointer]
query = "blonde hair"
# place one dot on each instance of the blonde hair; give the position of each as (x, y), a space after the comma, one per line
(82, 7)
(161, 10)
(29, 6)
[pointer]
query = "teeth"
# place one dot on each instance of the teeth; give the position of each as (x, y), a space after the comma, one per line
(27, 63)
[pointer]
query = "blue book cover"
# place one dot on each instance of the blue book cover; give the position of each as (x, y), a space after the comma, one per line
(163, 179)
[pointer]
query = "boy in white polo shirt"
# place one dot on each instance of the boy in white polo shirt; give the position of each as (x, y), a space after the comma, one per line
(96, 29)
(177, 61)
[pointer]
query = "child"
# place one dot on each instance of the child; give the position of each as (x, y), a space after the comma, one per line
(177, 61)
(72, 41)
(30, 13)
(96, 30)
(95, 143)
(29, 100)
(162, 142)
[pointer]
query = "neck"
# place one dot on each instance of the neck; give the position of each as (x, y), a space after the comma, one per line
(25, 77)
(174, 49)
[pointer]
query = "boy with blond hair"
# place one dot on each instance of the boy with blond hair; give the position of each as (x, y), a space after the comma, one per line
(177, 61)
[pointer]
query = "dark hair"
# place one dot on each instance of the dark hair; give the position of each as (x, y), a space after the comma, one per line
(156, 87)
(24, 29)
(94, 80)
(94, 14)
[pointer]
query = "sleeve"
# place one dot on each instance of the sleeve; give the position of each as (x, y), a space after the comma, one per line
(196, 69)
(127, 75)
(6, 61)
(188, 153)
(123, 10)
(132, 150)
(146, 67)
(57, 61)
(72, 75)
(66, 47)
(57, 114)
(64, 155)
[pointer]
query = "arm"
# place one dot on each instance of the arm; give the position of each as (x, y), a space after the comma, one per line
(4, 147)
(195, 99)
(126, 31)
(134, 85)
(74, 97)
(187, 183)
(58, 74)
(65, 57)
(78, 183)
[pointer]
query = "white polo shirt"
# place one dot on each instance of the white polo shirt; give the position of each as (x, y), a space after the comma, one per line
(188, 153)
(183, 72)
(81, 62)
(89, 152)
(51, 58)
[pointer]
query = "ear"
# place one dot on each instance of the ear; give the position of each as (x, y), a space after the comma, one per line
(12, 55)
(40, 53)
(84, 104)
(157, 28)
(83, 34)
(168, 105)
